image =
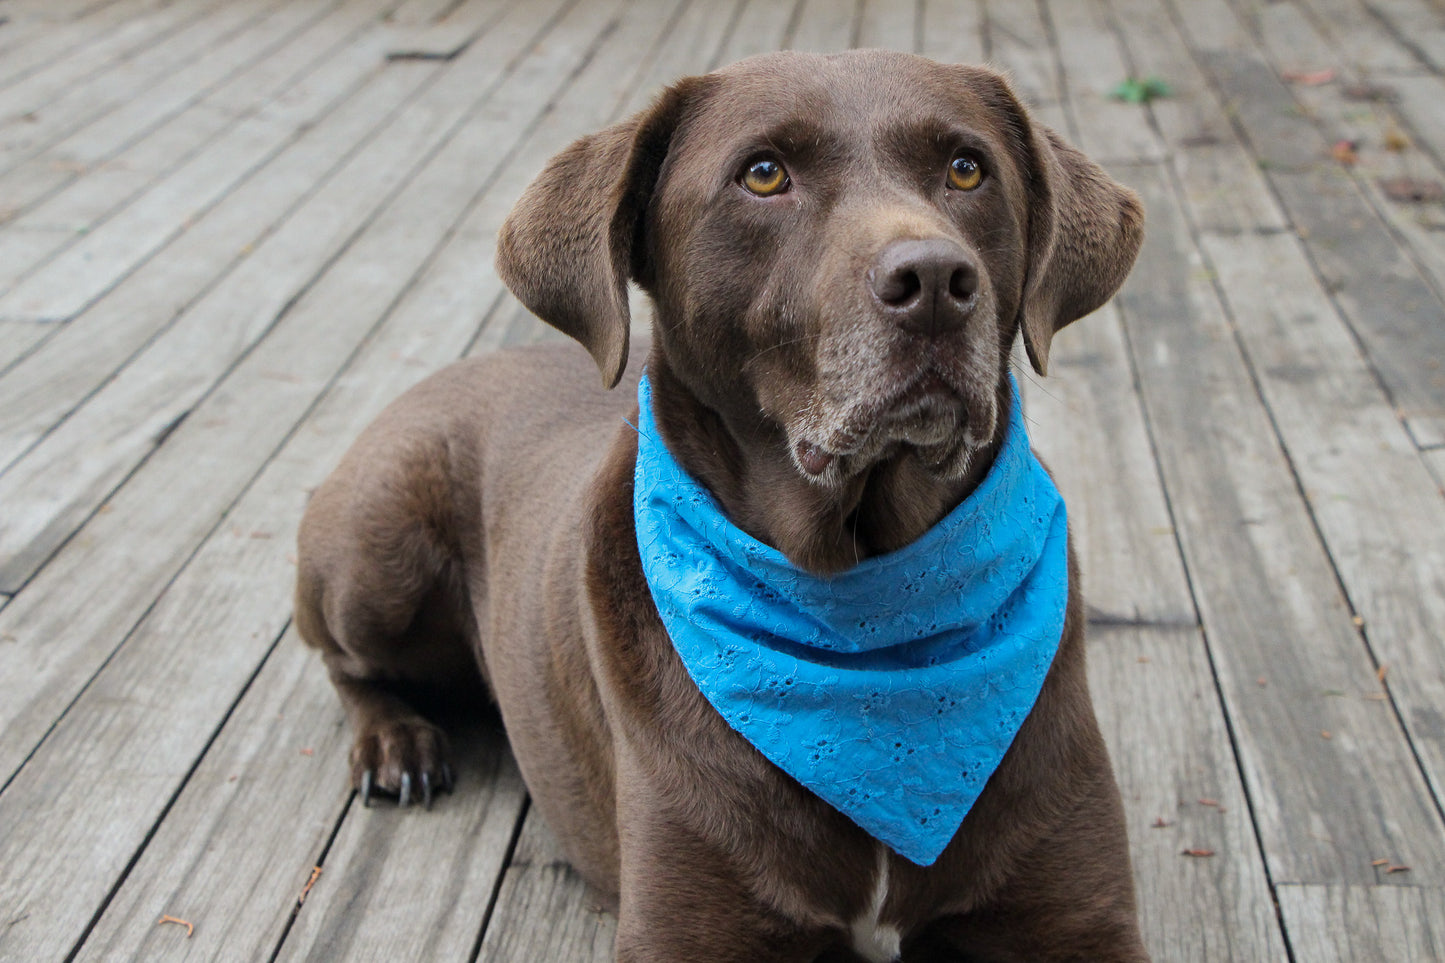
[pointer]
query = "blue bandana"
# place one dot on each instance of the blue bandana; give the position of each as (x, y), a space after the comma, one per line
(893, 689)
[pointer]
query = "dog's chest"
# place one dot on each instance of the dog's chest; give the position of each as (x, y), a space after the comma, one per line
(874, 940)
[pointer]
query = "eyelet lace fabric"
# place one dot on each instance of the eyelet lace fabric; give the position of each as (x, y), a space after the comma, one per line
(893, 689)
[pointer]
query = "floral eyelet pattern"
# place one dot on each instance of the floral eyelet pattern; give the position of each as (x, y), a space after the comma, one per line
(893, 689)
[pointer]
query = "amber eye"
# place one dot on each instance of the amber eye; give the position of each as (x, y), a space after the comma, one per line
(964, 173)
(765, 177)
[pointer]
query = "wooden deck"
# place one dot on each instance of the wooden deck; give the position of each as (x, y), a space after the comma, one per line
(231, 230)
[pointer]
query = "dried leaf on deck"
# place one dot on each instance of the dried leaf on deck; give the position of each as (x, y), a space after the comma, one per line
(1346, 152)
(1371, 93)
(1412, 190)
(1310, 78)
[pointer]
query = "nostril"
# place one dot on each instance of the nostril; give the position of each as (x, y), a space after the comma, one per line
(896, 287)
(963, 282)
(907, 286)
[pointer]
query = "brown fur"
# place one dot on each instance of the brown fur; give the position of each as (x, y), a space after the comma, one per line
(486, 517)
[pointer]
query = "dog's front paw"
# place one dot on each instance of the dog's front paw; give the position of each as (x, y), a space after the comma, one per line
(406, 758)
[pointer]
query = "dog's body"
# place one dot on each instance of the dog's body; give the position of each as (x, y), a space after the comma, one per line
(486, 519)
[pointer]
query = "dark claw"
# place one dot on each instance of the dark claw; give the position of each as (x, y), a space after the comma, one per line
(404, 800)
(366, 781)
(447, 776)
(426, 790)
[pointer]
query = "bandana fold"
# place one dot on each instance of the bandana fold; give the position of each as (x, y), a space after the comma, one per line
(893, 689)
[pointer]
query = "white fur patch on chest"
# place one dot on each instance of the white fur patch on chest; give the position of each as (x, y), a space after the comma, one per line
(872, 939)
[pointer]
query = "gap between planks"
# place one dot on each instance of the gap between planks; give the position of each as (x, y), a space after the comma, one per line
(1345, 444)
(399, 336)
(161, 630)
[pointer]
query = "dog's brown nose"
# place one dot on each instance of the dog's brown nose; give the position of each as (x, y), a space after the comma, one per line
(927, 287)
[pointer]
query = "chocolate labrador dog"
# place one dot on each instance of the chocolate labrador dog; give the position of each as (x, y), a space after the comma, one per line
(841, 251)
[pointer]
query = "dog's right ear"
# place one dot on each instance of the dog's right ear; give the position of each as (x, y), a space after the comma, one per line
(573, 240)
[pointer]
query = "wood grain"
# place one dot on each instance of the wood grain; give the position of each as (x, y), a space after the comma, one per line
(544, 910)
(887, 24)
(88, 351)
(69, 282)
(17, 339)
(73, 94)
(1148, 666)
(1330, 774)
(825, 26)
(952, 31)
(202, 345)
(1342, 924)
(1108, 130)
(237, 586)
(1018, 41)
(1394, 312)
(262, 400)
(79, 39)
(446, 36)
(76, 183)
(760, 27)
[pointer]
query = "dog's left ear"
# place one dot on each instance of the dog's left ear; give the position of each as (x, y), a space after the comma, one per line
(574, 238)
(1084, 228)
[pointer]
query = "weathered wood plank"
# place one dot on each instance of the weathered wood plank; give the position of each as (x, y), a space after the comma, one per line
(1347, 447)
(1419, 26)
(759, 28)
(412, 884)
(281, 491)
(35, 236)
(429, 327)
(1394, 312)
(237, 426)
(86, 40)
(888, 24)
(60, 480)
(233, 588)
(413, 13)
(1292, 43)
(1435, 459)
(88, 350)
(1108, 130)
(50, 104)
(153, 133)
(691, 45)
(17, 338)
(1343, 924)
(239, 844)
(1350, 26)
(64, 286)
(825, 26)
(952, 30)
(1422, 104)
(1086, 423)
(444, 38)
(1018, 40)
(1332, 779)
(1149, 668)
(1219, 177)
(544, 910)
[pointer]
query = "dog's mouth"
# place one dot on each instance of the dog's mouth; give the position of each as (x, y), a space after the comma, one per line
(926, 413)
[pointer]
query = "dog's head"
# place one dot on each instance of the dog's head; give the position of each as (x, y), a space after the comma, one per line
(844, 247)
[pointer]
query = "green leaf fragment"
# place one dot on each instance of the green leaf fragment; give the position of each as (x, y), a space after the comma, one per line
(1134, 90)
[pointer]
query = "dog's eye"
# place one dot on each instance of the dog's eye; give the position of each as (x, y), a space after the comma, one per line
(964, 173)
(765, 177)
